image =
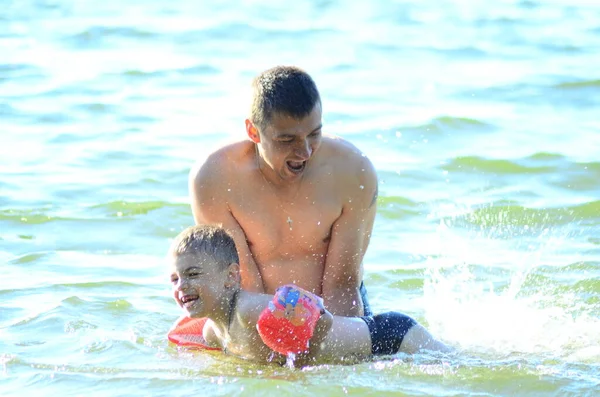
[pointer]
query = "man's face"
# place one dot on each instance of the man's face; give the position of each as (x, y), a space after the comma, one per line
(199, 286)
(288, 143)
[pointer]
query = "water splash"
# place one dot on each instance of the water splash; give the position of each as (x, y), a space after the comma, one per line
(484, 296)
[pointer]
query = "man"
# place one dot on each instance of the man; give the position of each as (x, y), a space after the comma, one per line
(300, 205)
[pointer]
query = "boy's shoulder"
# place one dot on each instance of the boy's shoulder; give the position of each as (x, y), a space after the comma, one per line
(250, 305)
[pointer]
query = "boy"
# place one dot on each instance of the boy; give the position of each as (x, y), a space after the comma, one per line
(205, 276)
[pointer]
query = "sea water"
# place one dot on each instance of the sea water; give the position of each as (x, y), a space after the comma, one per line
(481, 118)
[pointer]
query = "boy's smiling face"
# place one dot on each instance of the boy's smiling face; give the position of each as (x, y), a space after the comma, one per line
(200, 285)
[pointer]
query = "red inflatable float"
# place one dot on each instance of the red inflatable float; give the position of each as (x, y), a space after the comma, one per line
(188, 332)
(288, 323)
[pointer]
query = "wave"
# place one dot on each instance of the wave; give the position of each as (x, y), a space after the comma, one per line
(79, 286)
(235, 30)
(538, 163)
(32, 216)
(98, 285)
(76, 89)
(98, 108)
(28, 258)
(111, 209)
(127, 208)
(561, 95)
(200, 69)
(97, 35)
(558, 171)
(543, 156)
(9, 68)
(497, 166)
(468, 52)
(574, 85)
(515, 215)
(442, 124)
(7, 110)
(396, 207)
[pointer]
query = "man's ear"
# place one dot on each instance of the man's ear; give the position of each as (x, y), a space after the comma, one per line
(252, 131)
(233, 275)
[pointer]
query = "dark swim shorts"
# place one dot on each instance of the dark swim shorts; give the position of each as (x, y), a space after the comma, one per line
(365, 300)
(387, 331)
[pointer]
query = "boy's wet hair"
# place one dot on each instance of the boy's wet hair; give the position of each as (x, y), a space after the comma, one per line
(285, 90)
(209, 240)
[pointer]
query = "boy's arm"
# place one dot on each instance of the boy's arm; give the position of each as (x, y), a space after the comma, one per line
(322, 328)
(209, 335)
(418, 338)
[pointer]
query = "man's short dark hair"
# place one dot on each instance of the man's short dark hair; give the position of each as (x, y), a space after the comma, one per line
(286, 90)
(212, 241)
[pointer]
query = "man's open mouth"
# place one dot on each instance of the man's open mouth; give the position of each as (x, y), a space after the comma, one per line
(188, 300)
(296, 166)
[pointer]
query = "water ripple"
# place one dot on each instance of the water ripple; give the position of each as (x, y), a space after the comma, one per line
(101, 36)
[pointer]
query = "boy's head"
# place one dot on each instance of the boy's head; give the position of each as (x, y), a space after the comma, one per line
(206, 240)
(204, 269)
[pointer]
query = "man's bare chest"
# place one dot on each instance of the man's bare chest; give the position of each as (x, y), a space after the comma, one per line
(303, 223)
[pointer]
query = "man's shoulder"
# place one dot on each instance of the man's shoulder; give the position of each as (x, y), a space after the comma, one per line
(354, 174)
(339, 144)
(343, 154)
(222, 160)
(227, 153)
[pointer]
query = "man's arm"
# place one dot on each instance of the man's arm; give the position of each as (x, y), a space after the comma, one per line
(350, 238)
(210, 206)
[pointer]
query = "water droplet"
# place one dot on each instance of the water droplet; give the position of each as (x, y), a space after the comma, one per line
(289, 361)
